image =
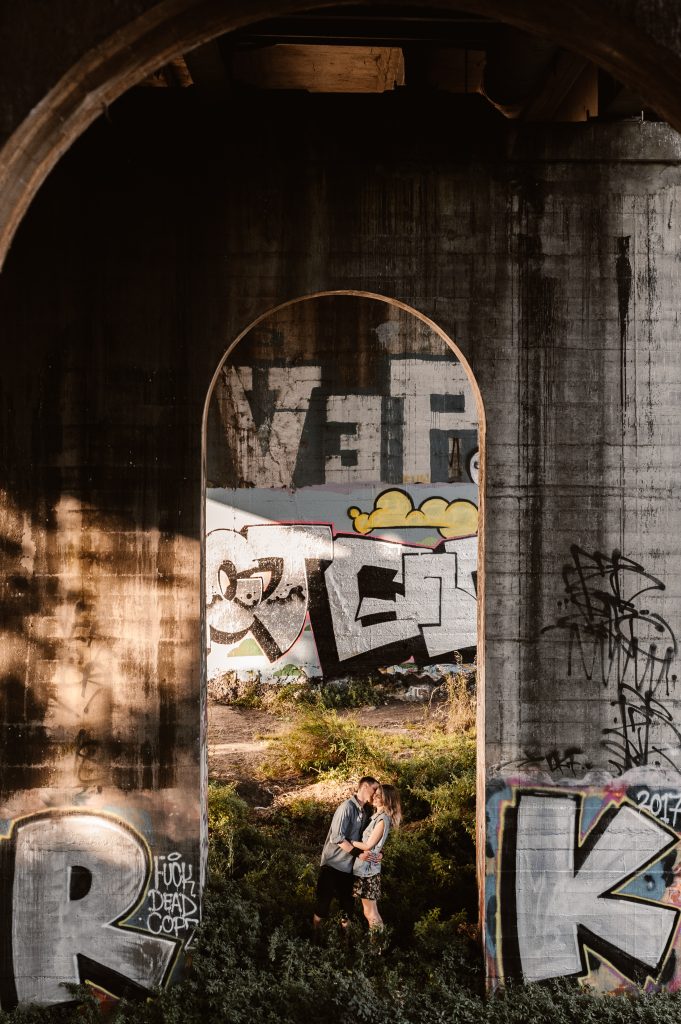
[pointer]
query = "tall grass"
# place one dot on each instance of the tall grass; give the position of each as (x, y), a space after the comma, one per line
(321, 742)
(460, 705)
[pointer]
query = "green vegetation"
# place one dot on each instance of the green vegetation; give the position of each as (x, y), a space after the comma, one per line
(324, 744)
(257, 961)
(293, 689)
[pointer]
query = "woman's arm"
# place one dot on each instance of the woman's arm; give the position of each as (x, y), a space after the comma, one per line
(373, 839)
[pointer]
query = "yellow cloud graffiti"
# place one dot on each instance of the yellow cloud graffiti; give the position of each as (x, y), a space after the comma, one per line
(394, 509)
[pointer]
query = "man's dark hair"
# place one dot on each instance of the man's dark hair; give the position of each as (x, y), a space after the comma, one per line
(369, 779)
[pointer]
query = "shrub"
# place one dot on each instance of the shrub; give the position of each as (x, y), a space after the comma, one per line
(425, 871)
(232, 836)
(320, 742)
(353, 692)
(461, 704)
(440, 779)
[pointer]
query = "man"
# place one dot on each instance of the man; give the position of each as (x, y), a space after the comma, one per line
(335, 874)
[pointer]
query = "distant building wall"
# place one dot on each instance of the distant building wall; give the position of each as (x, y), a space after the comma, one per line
(349, 425)
(550, 256)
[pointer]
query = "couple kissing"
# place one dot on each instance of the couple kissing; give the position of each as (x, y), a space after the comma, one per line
(352, 854)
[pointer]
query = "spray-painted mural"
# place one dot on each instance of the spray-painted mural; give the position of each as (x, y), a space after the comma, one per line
(583, 854)
(110, 913)
(85, 876)
(584, 882)
(342, 506)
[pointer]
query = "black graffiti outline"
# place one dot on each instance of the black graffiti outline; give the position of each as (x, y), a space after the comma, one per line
(563, 760)
(271, 566)
(601, 615)
(394, 653)
(375, 582)
(630, 741)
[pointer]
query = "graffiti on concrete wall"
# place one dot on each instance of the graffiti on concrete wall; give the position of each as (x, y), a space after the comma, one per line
(586, 884)
(76, 908)
(617, 638)
(369, 601)
(342, 508)
(584, 868)
(423, 429)
(173, 902)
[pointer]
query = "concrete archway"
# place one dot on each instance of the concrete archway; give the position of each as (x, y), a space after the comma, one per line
(106, 73)
(175, 26)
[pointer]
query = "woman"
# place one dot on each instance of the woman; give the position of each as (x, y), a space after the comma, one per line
(367, 885)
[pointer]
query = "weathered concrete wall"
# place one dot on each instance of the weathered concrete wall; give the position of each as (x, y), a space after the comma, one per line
(60, 71)
(551, 258)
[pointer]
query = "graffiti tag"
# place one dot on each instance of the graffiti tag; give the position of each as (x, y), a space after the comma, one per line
(665, 806)
(86, 873)
(173, 903)
(614, 636)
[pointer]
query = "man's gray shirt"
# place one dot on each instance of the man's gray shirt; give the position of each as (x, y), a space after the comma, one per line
(347, 823)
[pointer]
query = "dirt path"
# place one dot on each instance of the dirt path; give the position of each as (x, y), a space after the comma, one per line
(236, 740)
(237, 737)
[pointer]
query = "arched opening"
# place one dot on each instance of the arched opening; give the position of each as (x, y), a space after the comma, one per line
(344, 484)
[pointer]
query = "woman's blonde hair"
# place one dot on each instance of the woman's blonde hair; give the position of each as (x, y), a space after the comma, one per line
(390, 798)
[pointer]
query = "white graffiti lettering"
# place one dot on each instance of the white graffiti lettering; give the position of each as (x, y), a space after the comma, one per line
(172, 905)
(82, 873)
(418, 382)
(266, 451)
(264, 412)
(360, 447)
(555, 897)
(665, 806)
(378, 594)
(382, 594)
(256, 582)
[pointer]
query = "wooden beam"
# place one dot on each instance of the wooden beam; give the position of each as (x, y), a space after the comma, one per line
(316, 68)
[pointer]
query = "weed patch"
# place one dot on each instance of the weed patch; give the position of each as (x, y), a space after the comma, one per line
(320, 742)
